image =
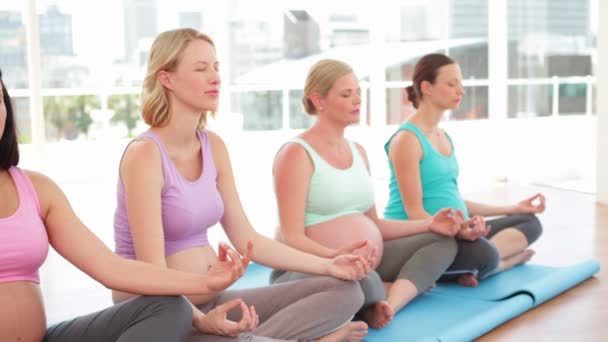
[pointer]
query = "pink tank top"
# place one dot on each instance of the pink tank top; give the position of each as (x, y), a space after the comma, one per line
(23, 239)
(188, 208)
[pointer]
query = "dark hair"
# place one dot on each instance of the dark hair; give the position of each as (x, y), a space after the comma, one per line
(9, 149)
(426, 69)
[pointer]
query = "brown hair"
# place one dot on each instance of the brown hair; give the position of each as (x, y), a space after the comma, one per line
(426, 69)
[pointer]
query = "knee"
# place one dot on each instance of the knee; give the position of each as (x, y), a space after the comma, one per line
(348, 294)
(532, 229)
(448, 246)
(489, 259)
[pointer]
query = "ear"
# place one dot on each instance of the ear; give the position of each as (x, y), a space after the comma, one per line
(317, 100)
(426, 87)
(164, 78)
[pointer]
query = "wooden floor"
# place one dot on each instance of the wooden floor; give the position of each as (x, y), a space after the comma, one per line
(575, 228)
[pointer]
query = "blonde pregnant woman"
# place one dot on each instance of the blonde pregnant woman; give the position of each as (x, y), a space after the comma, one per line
(326, 203)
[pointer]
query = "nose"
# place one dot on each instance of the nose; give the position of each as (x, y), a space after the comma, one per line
(357, 98)
(215, 77)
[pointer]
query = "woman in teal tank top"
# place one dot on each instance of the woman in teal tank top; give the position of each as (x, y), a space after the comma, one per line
(326, 203)
(424, 179)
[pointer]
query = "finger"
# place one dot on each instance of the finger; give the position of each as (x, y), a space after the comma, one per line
(221, 251)
(235, 259)
(229, 305)
(248, 254)
(245, 321)
(373, 254)
(256, 320)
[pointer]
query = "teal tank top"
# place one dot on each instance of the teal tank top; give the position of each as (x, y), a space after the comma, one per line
(335, 192)
(438, 175)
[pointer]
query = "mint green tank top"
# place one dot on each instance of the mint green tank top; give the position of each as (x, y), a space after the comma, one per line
(438, 175)
(335, 192)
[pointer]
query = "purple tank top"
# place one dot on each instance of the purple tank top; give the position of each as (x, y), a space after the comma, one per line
(189, 208)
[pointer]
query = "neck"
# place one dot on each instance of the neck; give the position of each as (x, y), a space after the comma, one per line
(180, 130)
(428, 116)
(330, 132)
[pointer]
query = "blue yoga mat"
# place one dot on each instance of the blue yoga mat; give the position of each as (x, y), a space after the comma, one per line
(454, 313)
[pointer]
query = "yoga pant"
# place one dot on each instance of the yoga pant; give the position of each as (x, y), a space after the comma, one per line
(296, 311)
(480, 257)
(420, 258)
(144, 318)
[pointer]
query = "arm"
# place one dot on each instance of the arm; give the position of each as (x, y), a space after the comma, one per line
(531, 205)
(64, 228)
(142, 176)
(267, 251)
(480, 209)
(292, 171)
(393, 229)
(405, 153)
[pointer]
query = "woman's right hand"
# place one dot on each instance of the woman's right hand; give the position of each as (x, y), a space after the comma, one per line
(216, 321)
(446, 222)
(230, 266)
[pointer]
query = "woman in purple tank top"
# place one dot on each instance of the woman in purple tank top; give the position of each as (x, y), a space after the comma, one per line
(34, 213)
(176, 181)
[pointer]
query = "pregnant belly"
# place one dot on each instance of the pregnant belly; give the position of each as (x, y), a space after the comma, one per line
(345, 230)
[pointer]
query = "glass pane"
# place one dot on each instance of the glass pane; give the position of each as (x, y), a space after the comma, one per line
(13, 46)
(529, 101)
(125, 112)
(474, 104)
(69, 117)
(261, 110)
(298, 118)
(594, 99)
(549, 38)
(21, 110)
(469, 31)
(572, 98)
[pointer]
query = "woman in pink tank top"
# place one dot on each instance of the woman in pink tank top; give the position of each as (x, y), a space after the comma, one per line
(176, 181)
(35, 213)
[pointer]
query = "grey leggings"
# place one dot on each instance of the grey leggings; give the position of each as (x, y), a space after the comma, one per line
(420, 258)
(299, 310)
(480, 257)
(144, 318)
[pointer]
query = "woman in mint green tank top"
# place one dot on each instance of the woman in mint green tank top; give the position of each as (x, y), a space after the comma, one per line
(326, 203)
(424, 179)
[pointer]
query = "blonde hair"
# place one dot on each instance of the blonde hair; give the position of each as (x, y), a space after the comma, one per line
(321, 78)
(165, 54)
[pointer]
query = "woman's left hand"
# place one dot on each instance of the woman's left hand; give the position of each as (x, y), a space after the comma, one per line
(533, 205)
(473, 229)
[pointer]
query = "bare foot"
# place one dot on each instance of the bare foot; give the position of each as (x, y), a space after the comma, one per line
(517, 259)
(468, 280)
(379, 315)
(351, 332)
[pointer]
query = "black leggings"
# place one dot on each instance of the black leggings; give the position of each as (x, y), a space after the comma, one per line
(480, 257)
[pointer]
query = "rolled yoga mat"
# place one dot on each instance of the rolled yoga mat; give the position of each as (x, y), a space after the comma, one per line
(451, 312)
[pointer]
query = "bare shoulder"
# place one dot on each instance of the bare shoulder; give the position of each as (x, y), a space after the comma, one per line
(141, 151)
(47, 190)
(40, 181)
(217, 143)
(405, 141)
(291, 155)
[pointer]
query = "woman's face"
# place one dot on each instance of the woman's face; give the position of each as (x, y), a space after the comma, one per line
(195, 82)
(447, 91)
(343, 101)
(2, 111)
